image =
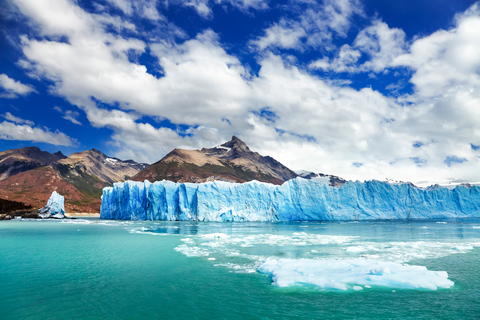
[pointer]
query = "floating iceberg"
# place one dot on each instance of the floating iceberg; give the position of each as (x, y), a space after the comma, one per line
(353, 274)
(295, 200)
(54, 208)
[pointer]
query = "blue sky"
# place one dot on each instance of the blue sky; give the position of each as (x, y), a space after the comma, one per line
(361, 89)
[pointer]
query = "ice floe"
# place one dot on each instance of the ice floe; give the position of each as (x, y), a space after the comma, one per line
(353, 274)
(331, 262)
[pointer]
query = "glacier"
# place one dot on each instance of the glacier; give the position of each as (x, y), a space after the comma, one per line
(295, 200)
(55, 207)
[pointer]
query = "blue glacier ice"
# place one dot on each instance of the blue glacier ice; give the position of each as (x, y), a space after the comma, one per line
(296, 200)
(55, 207)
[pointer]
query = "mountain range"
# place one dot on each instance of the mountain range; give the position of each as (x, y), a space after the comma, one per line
(232, 161)
(29, 175)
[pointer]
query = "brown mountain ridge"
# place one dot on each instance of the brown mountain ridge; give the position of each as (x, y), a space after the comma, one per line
(33, 175)
(232, 161)
(19, 160)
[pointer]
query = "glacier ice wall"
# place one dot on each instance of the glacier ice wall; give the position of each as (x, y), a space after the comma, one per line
(295, 200)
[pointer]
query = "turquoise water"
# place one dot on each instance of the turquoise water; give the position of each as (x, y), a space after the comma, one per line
(94, 269)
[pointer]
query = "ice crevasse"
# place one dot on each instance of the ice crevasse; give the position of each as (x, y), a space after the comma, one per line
(295, 200)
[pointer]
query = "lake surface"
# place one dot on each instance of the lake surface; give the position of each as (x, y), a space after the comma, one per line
(100, 269)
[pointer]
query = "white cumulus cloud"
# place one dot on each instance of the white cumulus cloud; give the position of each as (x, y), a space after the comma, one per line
(18, 120)
(69, 115)
(204, 7)
(12, 88)
(379, 43)
(283, 110)
(315, 25)
(25, 132)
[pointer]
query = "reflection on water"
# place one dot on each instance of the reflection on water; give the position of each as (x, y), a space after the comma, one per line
(392, 230)
(397, 231)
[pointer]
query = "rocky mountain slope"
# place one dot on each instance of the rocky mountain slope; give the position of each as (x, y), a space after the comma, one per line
(30, 175)
(231, 161)
(19, 160)
(80, 177)
(95, 163)
(34, 187)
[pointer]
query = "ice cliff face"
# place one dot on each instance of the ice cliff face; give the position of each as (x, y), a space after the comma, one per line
(296, 199)
(54, 208)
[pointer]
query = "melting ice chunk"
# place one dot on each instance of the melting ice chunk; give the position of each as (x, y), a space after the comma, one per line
(353, 274)
(54, 208)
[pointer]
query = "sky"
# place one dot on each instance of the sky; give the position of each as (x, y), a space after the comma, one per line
(364, 90)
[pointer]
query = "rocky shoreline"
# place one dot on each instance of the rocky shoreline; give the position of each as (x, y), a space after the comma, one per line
(12, 209)
(27, 215)
(17, 210)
